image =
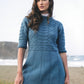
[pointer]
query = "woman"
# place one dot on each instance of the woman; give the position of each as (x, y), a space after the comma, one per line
(46, 62)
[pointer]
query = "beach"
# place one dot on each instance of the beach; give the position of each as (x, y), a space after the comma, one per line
(8, 73)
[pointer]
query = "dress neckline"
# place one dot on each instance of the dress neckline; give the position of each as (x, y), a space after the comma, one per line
(45, 16)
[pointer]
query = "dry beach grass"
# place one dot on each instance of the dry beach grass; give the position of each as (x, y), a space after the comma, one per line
(8, 74)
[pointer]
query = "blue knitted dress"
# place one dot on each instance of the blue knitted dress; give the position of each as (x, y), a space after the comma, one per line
(44, 64)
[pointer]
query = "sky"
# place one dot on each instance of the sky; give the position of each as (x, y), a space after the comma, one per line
(69, 12)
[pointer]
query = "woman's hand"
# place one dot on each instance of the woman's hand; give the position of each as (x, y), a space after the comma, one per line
(19, 79)
(67, 81)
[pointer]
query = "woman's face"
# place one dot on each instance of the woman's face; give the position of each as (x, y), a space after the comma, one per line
(43, 5)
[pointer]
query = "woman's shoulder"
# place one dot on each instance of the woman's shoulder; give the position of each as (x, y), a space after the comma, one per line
(25, 19)
(57, 22)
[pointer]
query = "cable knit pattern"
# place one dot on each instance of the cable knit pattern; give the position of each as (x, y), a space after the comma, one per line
(43, 64)
(48, 37)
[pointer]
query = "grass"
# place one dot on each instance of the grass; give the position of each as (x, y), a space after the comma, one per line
(8, 74)
(6, 82)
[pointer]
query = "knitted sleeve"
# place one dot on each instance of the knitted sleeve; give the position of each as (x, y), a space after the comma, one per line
(61, 39)
(23, 34)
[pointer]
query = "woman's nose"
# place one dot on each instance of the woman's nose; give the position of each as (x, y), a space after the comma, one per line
(41, 2)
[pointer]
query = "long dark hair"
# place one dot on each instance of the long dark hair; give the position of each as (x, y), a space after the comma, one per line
(36, 17)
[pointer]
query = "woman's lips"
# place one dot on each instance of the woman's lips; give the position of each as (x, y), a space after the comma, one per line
(41, 6)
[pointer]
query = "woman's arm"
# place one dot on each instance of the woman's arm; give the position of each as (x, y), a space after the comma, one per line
(21, 52)
(22, 44)
(64, 59)
(62, 51)
(19, 77)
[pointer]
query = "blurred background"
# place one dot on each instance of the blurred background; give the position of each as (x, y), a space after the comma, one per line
(69, 12)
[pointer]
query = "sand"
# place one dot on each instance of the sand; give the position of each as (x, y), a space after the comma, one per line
(76, 74)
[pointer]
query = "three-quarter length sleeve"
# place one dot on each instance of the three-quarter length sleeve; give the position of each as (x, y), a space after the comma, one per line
(23, 34)
(61, 39)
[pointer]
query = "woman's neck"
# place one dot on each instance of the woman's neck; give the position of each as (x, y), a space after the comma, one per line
(46, 14)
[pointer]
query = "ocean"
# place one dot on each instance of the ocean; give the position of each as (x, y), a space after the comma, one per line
(73, 61)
